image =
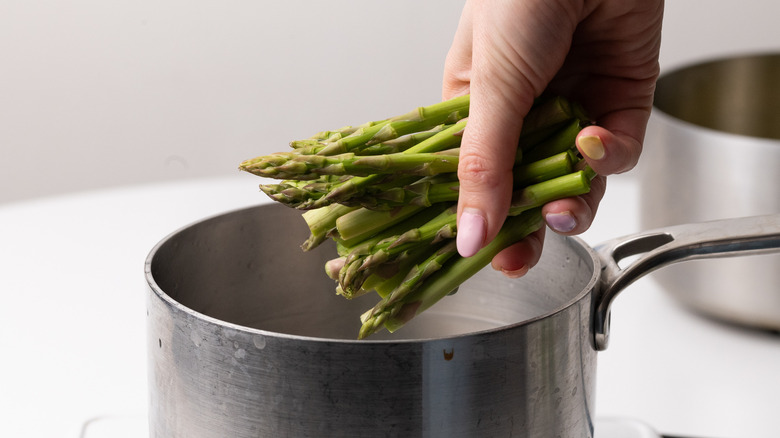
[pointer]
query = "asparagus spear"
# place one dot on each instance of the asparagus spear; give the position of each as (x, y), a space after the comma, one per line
(394, 191)
(364, 259)
(400, 144)
(559, 141)
(446, 139)
(384, 224)
(363, 223)
(305, 194)
(384, 281)
(421, 192)
(544, 169)
(448, 277)
(444, 187)
(321, 222)
(386, 190)
(337, 133)
(535, 195)
(296, 166)
(414, 278)
(419, 119)
(403, 143)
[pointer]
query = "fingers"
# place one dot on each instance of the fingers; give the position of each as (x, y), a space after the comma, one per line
(607, 152)
(572, 216)
(615, 144)
(507, 70)
(507, 53)
(568, 216)
(516, 260)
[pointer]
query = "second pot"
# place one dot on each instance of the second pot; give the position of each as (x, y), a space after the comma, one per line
(713, 151)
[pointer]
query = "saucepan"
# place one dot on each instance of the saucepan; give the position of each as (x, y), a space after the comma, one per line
(713, 151)
(247, 338)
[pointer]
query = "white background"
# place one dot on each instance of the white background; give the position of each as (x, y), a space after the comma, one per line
(96, 93)
(120, 94)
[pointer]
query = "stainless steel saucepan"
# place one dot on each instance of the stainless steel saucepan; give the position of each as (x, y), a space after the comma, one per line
(247, 338)
(713, 151)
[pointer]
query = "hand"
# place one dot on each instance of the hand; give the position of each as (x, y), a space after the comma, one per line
(602, 54)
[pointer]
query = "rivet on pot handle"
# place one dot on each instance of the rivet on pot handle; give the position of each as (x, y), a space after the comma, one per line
(657, 248)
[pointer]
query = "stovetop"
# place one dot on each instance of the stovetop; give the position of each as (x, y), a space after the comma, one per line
(136, 427)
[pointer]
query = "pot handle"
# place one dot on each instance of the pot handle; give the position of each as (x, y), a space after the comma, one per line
(663, 246)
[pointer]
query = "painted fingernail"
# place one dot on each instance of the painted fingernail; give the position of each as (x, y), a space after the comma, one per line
(471, 232)
(561, 222)
(591, 146)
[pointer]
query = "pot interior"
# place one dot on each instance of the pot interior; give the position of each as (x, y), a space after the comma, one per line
(739, 95)
(246, 268)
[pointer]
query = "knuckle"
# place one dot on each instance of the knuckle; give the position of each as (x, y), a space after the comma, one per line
(623, 159)
(477, 170)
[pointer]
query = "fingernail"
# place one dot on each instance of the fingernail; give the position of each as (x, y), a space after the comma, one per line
(517, 273)
(561, 222)
(591, 146)
(471, 233)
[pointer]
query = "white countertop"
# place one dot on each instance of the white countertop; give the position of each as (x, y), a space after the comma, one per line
(72, 321)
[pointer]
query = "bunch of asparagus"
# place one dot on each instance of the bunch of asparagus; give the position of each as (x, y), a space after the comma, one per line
(386, 193)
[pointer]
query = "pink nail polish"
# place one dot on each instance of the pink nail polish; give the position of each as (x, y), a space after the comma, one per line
(471, 233)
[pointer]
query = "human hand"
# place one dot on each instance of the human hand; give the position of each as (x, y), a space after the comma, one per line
(602, 54)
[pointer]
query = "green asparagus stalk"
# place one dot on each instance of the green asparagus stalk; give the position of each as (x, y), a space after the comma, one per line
(385, 223)
(446, 139)
(364, 259)
(422, 192)
(386, 193)
(448, 277)
(384, 280)
(419, 119)
(321, 222)
(544, 169)
(399, 190)
(560, 141)
(339, 133)
(445, 187)
(295, 166)
(403, 143)
(298, 193)
(415, 277)
(400, 144)
(390, 276)
(566, 186)
(363, 223)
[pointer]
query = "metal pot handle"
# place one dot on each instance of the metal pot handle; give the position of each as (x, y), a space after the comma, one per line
(657, 248)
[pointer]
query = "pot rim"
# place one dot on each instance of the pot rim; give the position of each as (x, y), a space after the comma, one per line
(179, 307)
(664, 117)
(671, 119)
